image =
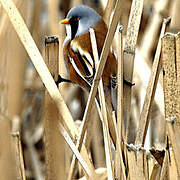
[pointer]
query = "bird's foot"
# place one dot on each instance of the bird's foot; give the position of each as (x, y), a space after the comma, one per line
(60, 80)
(128, 83)
(114, 82)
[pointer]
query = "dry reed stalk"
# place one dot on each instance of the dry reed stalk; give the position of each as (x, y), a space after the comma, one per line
(12, 68)
(129, 53)
(96, 5)
(165, 167)
(35, 26)
(124, 14)
(75, 3)
(33, 15)
(107, 143)
(94, 132)
(175, 24)
(65, 6)
(149, 39)
(89, 173)
(147, 45)
(16, 65)
(89, 133)
(53, 17)
(150, 165)
(41, 68)
(156, 172)
(137, 162)
(173, 168)
(119, 168)
(135, 169)
(7, 155)
(150, 92)
(108, 10)
(52, 55)
(152, 29)
(171, 93)
(107, 16)
(104, 3)
(120, 90)
(97, 143)
(54, 143)
(16, 143)
(104, 118)
(3, 64)
(141, 67)
(97, 76)
(178, 78)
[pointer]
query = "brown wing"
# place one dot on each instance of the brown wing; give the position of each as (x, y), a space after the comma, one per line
(78, 54)
(73, 74)
(110, 69)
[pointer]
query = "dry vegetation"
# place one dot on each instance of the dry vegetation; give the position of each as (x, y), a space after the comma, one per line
(50, 132)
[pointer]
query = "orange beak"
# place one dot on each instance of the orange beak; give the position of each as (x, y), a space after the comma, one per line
(64, 21)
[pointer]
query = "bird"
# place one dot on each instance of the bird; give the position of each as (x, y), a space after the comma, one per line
(77, 50)
(78, 53)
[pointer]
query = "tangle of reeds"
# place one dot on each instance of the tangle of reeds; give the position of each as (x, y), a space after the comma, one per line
(50, 132)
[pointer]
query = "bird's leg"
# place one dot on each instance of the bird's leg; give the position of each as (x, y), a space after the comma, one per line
(114, 82)
(128, 83)
(60, 80)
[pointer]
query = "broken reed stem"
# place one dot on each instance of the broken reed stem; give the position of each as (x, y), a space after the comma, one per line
(171, 92)
(119, 128)
(150, 91)
(18, 147)
(104, 119)
(54, 143)
(99, 71)
(129, 53)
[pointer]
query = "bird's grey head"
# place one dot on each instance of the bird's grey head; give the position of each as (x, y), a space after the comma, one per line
(81, 18)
